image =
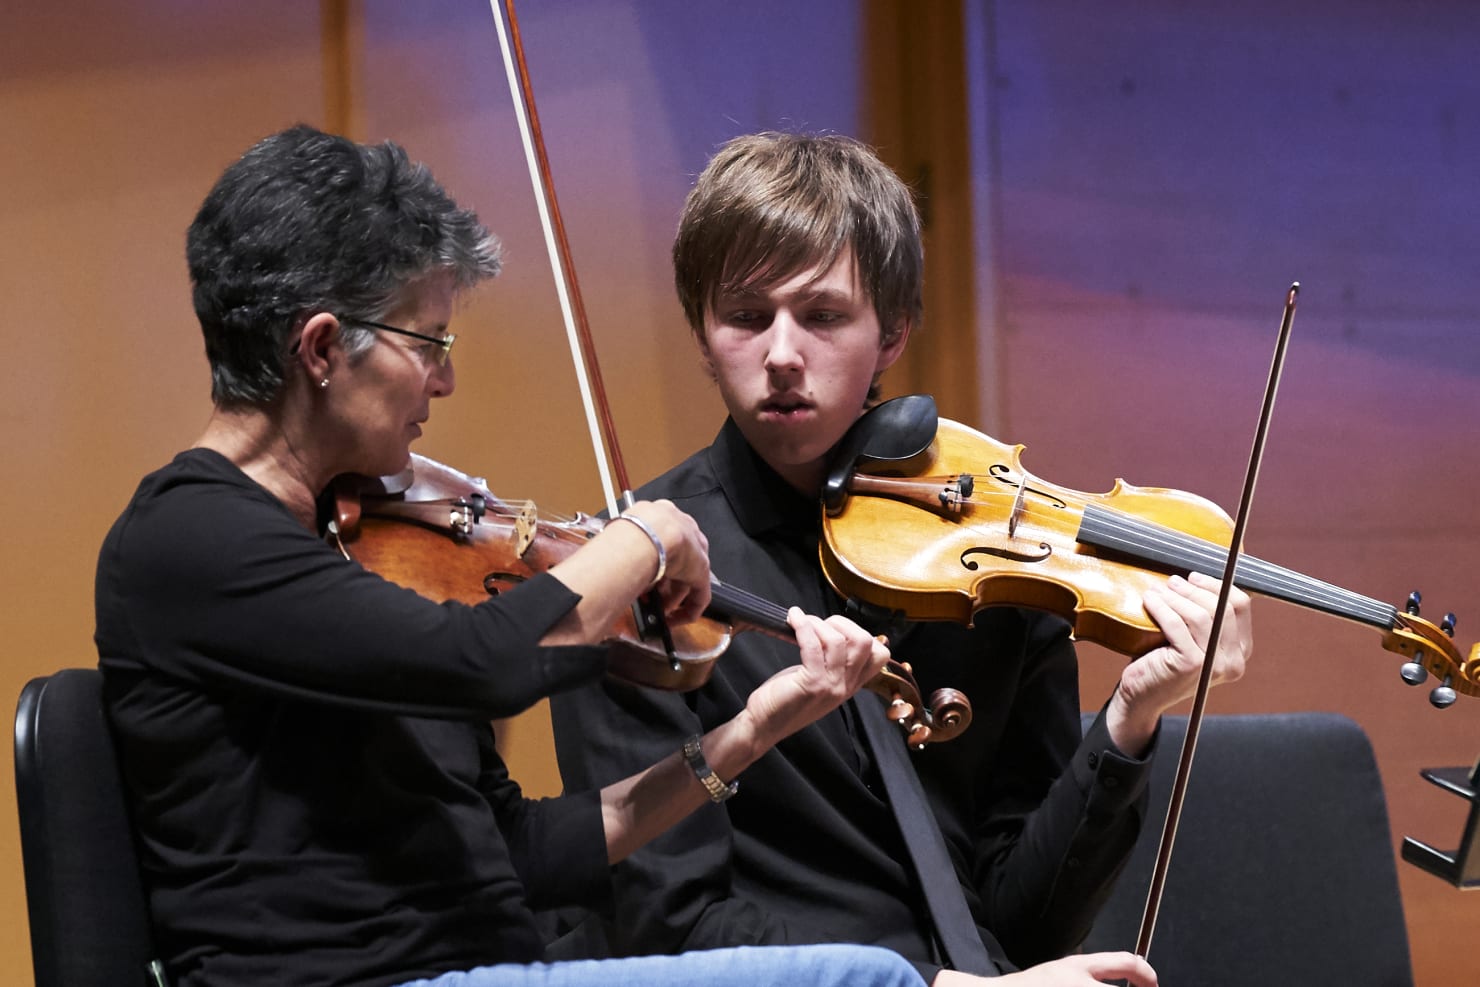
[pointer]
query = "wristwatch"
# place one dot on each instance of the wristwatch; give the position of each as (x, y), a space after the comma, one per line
(718, 790)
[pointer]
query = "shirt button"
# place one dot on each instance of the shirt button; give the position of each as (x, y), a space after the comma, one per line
(1111, 783)
(1094, 759)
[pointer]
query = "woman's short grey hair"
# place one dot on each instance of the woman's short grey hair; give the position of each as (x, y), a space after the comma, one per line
(307, 222)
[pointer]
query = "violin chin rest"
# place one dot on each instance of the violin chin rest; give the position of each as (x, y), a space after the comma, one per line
(893, 431)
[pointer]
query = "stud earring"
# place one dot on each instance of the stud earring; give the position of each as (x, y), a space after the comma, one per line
(323, 383)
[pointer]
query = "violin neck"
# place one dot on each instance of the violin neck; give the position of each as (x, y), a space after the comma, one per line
(1179, 552)
(727, 603)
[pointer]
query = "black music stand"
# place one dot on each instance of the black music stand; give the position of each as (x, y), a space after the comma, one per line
(1460, 867)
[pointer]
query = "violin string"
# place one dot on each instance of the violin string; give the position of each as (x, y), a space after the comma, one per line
(1138, 536)
(1209, 557)
(744, 604)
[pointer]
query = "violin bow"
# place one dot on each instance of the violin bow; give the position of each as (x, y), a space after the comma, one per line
(572, 309)
(1205, 675)
(649, 614)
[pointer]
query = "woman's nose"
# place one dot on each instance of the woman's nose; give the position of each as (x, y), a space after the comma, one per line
(442, 380)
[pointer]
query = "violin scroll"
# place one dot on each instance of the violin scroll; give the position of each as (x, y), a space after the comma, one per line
(1431, 649)
(948, 714)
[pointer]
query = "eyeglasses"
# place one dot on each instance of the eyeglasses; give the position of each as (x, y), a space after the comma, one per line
(443, 343)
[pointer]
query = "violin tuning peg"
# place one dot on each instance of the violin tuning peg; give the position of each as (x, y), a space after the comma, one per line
(1443, 696)
(1414, 600)
(920, 734)
(1447, 624)
(1413, 673)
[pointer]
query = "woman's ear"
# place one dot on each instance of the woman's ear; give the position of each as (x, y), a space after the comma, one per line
(317, 347)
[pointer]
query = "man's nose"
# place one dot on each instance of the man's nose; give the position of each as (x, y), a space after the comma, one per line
(784, 349)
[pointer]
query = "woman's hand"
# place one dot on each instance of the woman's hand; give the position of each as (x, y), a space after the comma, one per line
(685, 586)
(619, 565)
(838, 657)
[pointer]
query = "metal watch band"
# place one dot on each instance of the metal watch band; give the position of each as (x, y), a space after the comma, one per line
(718, 790)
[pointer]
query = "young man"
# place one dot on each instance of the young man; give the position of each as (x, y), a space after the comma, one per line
(798, 263)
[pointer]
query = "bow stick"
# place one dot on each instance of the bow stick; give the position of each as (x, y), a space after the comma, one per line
(649, 614)
(1205, 675)
(573, 310)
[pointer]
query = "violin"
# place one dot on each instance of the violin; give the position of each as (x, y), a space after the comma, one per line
(932, 519)
(440, 532)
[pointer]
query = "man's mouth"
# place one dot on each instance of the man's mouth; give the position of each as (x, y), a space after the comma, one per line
(785, 406)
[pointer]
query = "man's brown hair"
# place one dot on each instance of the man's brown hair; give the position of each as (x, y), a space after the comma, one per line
(770, 205)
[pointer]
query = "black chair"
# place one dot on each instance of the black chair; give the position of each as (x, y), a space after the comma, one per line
(89, 917)
(1283, 869)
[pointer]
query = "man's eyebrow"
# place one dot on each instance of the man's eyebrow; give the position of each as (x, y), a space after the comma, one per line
(831, 296)
(805, 295)
(738, 295)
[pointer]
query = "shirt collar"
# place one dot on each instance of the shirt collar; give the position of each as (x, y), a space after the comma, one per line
(762, 501)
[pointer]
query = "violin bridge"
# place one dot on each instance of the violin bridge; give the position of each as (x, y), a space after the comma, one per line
(1017, 510)
(525, 526)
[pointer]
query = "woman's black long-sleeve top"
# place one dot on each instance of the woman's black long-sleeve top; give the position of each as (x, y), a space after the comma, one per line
(307, 752)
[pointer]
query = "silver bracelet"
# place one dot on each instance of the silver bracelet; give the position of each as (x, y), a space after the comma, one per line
(718, 790)
(647, 529)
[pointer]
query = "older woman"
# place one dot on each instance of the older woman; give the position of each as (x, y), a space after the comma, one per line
(305, 745)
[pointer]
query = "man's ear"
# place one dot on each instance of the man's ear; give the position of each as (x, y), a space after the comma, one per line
(892, 344)
(706, 361)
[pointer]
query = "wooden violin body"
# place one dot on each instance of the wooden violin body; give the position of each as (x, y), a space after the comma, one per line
(442, 533)
(446, 536)
(956, 525)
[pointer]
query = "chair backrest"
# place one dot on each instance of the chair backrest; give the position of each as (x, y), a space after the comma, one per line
(89, 916)
(1283, 869)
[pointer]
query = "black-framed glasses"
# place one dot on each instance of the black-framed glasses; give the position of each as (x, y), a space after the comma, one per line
(443, 343)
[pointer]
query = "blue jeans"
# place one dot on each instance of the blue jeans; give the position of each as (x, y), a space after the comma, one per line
(834, 965)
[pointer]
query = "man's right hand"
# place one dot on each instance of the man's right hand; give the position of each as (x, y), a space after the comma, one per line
(1085, 970)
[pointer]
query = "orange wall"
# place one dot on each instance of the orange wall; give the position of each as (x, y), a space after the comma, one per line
(115, 122)
(116, 125)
